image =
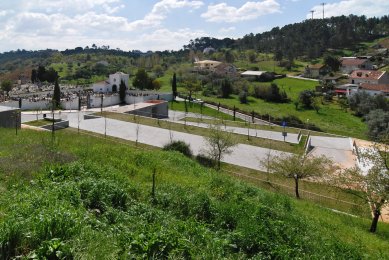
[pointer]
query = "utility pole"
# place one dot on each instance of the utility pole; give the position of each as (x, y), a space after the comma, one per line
(312, 11)
(323, 4)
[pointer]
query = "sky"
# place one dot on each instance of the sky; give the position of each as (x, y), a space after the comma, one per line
(155, 24)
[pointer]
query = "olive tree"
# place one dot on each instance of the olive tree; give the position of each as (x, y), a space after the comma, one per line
(298, 167)
(219, 143)
(369, 181)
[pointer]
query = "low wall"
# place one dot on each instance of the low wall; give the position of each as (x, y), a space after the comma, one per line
(57, 126)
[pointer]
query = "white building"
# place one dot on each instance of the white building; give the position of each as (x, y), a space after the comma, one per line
(112, 84)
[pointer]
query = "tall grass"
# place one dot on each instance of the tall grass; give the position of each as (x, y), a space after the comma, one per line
(98, 206)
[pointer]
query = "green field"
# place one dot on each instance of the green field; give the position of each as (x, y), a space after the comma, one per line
(85, 197)
(330, 118)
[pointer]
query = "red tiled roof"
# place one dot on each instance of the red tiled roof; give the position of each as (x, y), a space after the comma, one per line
(353, 62)
(366, 74)
(376, 87)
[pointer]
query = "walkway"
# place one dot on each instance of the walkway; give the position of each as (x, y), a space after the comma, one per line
(242, 155)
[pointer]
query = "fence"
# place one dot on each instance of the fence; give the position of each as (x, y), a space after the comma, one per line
(335, 204)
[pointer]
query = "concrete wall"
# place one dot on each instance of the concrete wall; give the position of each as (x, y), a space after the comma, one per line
(131, 98)
(42, 104)
(155, 111)
(10, 118)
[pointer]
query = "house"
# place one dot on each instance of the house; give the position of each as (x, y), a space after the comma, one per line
(208, 65)
(375, 89)
(316, 70)
(332, 80)
(349, 64)
(112, 84)
(258, 75)
(346, 89)
(369, 76)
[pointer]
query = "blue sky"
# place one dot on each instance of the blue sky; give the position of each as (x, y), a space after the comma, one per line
(155, 24)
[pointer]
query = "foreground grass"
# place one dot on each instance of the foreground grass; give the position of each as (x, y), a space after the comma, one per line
(87, 198)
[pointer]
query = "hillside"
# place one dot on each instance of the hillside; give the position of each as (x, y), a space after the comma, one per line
(86, 197)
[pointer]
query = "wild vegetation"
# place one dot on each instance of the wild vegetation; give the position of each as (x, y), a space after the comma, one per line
(85, 197)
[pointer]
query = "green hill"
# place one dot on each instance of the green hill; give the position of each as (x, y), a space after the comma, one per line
(85, 197)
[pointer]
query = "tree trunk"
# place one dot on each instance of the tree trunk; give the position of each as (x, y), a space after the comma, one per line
(374, 223)
(296, 181)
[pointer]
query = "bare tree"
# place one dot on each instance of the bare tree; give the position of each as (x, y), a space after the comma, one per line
(219, 143)
(298, 167)
(370, 182)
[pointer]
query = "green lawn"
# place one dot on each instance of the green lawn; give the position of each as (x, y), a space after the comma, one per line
(330, 118)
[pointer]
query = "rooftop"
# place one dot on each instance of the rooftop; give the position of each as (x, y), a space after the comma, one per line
(367, 74)
(207, 62)
(353, 61)
(376, 87)
(252, 73)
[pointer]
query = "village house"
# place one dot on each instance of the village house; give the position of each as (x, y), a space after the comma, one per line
(207, 65)
(225, 69)
(316, 70)
(369, 76)
(375, 89)
(349, 64)
(111, 84)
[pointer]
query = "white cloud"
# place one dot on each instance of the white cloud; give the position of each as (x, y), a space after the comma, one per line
(226, 30)
(357, 7)
(65, 5)
(249, 11)
(160, 11)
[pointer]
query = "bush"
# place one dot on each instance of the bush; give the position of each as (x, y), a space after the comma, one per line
(205, 160)
(243, 97)
(270, 93)
(179, 146)
(306, 98)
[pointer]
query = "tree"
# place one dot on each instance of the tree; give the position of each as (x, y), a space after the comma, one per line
(316, 104)
(251, 55)
(57, 95)
(371, 185)
(298, 167)
(226, 88)
(34, 76)
(142, 80)
(6, 86)
(377, 123)
(306, 98)
(332, 62)
(156, 84)
(122, 91)
(174, 86)
(219, 143)
(243, 97)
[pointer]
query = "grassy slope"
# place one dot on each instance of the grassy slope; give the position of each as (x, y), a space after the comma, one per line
(101, 207)
(330, 118)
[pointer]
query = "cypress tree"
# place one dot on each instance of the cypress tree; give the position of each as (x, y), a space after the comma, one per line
(57, 94)
(122, 91)
(174, 86)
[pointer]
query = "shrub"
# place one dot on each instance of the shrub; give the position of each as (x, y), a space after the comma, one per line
(243, 97)
(179, 146)
(205, 160)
